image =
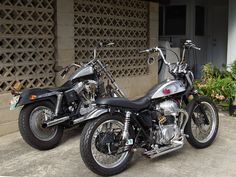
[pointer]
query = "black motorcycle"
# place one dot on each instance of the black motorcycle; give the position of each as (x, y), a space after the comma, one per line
(158, 122)
(47, 111)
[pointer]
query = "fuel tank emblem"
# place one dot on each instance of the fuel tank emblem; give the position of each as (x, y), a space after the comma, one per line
(166, 91)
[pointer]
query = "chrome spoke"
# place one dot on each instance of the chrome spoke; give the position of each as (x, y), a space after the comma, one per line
(104, 159)
(108, 126)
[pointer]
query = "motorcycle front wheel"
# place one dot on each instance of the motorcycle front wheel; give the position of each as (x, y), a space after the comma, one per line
(203, 123)
(30, 123)
(99, 145)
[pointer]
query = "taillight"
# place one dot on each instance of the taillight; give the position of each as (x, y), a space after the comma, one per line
(32, 97)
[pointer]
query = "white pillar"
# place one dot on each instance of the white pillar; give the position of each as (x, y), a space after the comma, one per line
(231, 53)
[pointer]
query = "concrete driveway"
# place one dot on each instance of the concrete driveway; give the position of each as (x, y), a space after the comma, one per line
(19, 159)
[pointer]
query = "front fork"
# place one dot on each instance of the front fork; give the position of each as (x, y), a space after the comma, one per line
(195, 96)
(206, 120)
(58, 105)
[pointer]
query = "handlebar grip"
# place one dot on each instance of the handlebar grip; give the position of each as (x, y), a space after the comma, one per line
(142, 51)
(105, 44)
(110, 44)
(146, 51)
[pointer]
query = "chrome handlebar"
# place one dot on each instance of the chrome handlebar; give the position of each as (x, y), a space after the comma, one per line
(188, 44)
(178, 67)
(99, 45)
(67, 69)
(156, 49)
(197, 48)
(147, 50)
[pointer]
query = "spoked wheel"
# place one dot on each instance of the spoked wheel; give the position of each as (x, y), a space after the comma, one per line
(30, 125)
(37, 117)
(101, 147)
(203, 122)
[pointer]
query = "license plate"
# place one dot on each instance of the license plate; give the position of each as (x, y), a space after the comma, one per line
(129, 142)
(14, 102)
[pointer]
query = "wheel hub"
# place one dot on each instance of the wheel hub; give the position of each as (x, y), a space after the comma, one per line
(107, 143)
(37, 118)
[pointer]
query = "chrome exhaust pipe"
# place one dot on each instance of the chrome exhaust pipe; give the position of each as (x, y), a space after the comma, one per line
(177, 144)
(78, 120)
(184, 117)
(55, 122)
(166, 151)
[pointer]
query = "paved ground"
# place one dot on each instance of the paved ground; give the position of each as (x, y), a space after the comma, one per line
(19, 159)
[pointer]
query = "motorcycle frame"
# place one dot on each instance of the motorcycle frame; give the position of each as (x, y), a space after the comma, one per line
(189, 91)
(56, 97)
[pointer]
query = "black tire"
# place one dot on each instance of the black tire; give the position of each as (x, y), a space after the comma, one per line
(26, 131)
(188, 129)
(85, 147)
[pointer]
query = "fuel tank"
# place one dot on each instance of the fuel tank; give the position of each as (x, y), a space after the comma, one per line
(166, 88)
(81, 72)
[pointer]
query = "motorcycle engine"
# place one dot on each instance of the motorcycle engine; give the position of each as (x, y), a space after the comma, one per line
(166, 128)
(88, 96)
(86, 93)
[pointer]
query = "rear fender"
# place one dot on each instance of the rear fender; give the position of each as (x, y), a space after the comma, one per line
(42, 94)
(96, 113)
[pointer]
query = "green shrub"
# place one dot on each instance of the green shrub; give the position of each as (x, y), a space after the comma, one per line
(219, 84)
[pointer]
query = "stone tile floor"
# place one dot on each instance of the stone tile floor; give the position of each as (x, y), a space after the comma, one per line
(219, 160)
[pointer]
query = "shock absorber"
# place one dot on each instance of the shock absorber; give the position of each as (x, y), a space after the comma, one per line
(126, 126)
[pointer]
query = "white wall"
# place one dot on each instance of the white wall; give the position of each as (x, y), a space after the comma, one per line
(231, 53)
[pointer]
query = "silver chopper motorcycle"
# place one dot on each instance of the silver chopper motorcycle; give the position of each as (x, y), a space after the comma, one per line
(158, 122)
(46, 112)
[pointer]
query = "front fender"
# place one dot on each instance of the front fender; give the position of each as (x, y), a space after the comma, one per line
(41, 94)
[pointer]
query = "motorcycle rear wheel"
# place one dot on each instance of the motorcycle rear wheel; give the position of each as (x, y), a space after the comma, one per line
(201, 132)
(88, 147)
(30, 126)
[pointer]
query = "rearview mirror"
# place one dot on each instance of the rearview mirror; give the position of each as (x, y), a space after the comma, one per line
(150, 60)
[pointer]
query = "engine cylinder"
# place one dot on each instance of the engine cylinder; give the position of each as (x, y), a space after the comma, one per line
(167, 127)
(168, 107)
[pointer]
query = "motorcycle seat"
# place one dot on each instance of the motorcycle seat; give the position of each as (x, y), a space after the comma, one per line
(137, 104)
